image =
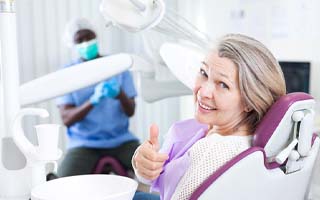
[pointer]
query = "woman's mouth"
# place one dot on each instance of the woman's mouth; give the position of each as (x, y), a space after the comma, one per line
(206, 107)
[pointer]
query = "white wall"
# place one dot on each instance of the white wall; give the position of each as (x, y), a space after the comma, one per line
(290, 28)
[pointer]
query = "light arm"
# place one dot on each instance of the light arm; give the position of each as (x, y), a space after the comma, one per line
(73, 78)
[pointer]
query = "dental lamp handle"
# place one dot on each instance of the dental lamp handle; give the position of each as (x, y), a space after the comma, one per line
(19, 137)
(138, 4)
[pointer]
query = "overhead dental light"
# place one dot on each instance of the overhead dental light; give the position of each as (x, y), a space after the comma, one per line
(141, 15)
(150, 17)
(133, 15)
(185, 62)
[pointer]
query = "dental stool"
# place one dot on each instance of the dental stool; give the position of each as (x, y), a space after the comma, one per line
(280, 162)
(115, 165)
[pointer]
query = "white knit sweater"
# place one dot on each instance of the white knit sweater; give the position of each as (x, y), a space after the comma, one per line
(207, 155)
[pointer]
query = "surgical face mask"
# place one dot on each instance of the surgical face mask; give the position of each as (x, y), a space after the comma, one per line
(88, 50)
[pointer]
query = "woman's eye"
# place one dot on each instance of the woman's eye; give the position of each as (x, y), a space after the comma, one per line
(203, 73)
(223, 85)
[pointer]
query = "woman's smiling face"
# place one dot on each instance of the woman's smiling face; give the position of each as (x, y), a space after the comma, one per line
(217, 95)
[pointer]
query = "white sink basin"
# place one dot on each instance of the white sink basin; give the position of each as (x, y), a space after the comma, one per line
(86, 187)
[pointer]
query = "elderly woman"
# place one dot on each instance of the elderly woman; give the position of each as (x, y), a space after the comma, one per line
(237, 83)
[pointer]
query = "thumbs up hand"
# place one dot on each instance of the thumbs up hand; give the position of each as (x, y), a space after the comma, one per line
(148, 161)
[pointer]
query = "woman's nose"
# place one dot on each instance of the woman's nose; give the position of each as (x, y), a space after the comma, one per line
(207, 90)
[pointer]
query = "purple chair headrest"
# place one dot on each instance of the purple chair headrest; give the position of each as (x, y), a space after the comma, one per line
(273, 117)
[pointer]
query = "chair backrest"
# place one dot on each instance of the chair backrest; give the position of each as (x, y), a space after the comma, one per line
(269, 169)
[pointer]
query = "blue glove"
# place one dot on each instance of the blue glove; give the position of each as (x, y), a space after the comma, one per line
(112, 88)
(109, 88)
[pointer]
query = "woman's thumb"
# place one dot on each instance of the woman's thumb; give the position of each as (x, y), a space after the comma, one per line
(153, 136)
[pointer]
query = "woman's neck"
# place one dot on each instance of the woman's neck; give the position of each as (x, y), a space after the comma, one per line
(243, 130)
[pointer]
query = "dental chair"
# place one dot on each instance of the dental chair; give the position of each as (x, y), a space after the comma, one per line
(114, 164)
(280, 162)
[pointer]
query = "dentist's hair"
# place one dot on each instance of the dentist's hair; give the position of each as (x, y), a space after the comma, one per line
(75, 25)
(261, 79)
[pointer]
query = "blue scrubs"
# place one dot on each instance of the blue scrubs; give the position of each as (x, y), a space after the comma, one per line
(106, 125)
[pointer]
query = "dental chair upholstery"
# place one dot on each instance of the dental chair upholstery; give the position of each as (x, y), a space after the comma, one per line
(280, 162)
(115, 165)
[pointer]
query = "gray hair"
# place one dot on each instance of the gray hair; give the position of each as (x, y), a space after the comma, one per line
(261, 79)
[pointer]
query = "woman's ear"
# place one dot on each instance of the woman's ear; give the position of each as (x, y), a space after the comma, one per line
(247, 109)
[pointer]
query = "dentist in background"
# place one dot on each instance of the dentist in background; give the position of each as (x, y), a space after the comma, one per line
(97, 117)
